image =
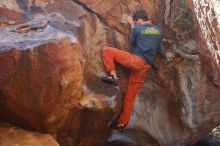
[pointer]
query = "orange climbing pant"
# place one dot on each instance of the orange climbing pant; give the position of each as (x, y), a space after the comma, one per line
(138, 68)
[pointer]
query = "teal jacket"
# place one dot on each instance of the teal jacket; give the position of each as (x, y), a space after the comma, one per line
(146, 42)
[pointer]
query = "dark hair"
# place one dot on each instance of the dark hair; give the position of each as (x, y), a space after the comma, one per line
(141, 14)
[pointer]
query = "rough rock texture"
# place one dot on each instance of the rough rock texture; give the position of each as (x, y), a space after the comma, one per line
(207, 18)
(50, 65)
(14, 136)
(48, 79)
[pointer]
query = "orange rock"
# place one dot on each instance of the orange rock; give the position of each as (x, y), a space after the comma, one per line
(14, 136)
(50, 69)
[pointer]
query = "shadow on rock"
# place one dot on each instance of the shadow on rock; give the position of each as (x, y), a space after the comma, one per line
(208, 141)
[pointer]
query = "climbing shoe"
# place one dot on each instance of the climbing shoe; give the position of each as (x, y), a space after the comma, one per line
(110, 80)
(118, 126)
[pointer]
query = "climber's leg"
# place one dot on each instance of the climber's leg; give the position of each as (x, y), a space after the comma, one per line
(111, 55)
(136, 79)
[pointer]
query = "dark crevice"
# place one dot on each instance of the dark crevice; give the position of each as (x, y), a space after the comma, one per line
(98, 16)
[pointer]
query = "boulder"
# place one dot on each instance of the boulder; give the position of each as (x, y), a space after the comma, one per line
(50, 70)
(14, 136)
(49, 81)
(207, 21)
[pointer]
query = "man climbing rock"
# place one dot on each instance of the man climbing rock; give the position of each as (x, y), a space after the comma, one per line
(145, 40)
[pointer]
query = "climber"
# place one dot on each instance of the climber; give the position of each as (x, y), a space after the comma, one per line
(145, 40)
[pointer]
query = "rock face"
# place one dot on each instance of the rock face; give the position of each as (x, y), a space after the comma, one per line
(14, 136)
(50, 69)
(48, 79)
(207, 18)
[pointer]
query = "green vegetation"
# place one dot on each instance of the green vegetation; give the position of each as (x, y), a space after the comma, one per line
(216, 132)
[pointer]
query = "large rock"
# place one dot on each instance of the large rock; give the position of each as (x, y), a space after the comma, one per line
(14, 136)
(49, 79)
(50, 69)
(179, 111)
(207, 23)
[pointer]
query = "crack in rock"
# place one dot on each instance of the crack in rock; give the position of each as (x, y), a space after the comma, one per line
(98, 16)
